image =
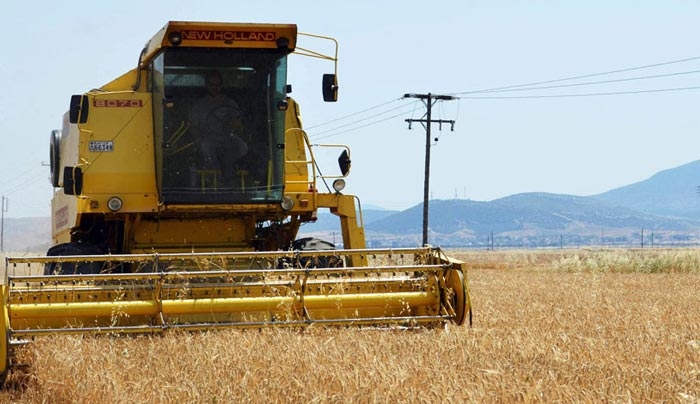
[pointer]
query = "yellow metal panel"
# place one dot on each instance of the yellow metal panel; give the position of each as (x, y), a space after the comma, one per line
(116, 144)
(352, 228)
(91, 310)
(64, 210)
(116, 153)
(125, 82)
(189, 232)
(70, 140)
(4, 327)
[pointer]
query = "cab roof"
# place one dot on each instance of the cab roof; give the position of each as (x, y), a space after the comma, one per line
(220, 35)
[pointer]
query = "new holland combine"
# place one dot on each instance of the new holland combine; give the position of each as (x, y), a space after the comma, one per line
(180, 188)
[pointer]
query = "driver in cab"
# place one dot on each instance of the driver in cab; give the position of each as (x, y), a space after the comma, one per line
(216, 121)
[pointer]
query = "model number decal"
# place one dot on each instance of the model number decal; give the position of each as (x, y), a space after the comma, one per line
(99, 103)
(101, 146)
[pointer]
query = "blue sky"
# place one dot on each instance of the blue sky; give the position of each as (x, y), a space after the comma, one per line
(579, 145)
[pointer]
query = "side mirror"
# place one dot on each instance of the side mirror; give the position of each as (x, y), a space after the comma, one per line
(79, 107)
(72, 180)
(330, 88)
(344, 163)
(55, 157)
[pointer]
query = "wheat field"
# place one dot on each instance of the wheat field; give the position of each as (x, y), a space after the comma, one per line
(569, 326)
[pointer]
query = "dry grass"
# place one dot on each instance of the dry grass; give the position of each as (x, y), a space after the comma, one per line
(656, 260)
(545, 330)
(33, 269)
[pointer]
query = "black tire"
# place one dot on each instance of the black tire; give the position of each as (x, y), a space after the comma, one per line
(69, 268)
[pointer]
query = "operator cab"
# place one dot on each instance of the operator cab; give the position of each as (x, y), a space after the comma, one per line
(219, 124)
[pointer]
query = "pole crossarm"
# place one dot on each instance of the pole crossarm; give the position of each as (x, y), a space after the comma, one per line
(430, 95)
(438, 121)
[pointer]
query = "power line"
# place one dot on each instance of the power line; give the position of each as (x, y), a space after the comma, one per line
(359, 120)
(657, 90)
(333, 131)
(581, 76)
(24, 179)
(656, 76)
(518, 87)
(360, 127)
(353, 114)
(317, 134)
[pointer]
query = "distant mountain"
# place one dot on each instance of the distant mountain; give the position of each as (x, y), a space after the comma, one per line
(666, 205)
(525, 212)
(672, 192)
(328, 222)
(529, 219)
(30, 234)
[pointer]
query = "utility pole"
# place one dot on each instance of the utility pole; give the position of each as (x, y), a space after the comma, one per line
(429, 100)
(2, 223)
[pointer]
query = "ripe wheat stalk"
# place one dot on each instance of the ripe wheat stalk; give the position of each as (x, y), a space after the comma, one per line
(553, 326)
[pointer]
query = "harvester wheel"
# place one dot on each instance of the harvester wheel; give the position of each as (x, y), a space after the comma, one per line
(457, 298)
(65, 268)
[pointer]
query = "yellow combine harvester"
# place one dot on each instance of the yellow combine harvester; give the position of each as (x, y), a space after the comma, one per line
(180, 188)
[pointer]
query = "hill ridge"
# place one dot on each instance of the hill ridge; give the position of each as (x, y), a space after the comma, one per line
(668, 210)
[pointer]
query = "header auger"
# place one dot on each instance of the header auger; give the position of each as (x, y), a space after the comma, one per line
(180, 188)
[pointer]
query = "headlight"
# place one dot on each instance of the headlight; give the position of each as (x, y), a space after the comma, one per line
(287, 203)
(114, 204)
(175, 38)
(339, 185)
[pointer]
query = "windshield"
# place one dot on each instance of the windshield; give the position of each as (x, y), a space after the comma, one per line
(218, 125)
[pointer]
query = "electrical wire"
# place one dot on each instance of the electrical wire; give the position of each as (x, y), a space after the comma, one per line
(317, 135)
(356, 124)
(353, 114)
(23, 180)
(581, 76)
(600, 82)
(362, 126)
(658, 90)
